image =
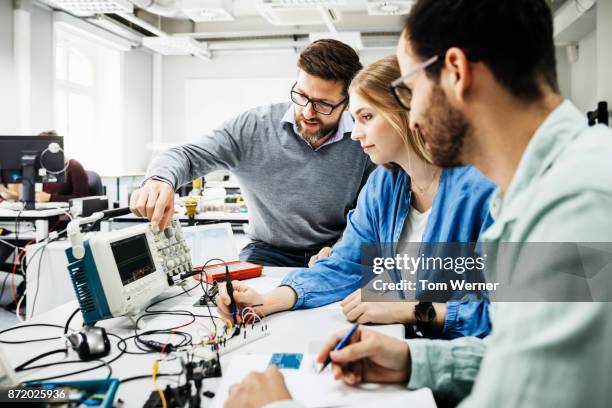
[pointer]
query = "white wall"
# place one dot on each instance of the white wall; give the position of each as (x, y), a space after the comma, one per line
(584, 74)
(604, 51)
(8, 108)
(589, 79)
(564, 73)
(178, 71)
(42, 71)
(136, 110)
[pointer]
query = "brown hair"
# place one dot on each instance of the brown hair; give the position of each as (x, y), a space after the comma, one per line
(331, 60)
(372, 84)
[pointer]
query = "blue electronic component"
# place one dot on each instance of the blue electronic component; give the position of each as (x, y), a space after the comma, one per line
(286, 361)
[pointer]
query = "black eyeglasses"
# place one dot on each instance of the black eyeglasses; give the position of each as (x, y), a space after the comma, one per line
(323, 108)
(398, 88)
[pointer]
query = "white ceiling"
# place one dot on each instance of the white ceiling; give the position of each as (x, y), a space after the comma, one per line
(250, 30)
(248, 19)
(255, 24)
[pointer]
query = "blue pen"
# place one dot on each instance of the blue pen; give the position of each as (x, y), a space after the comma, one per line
(342, 343)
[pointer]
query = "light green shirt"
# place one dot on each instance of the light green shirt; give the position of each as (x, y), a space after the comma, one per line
(539, 354)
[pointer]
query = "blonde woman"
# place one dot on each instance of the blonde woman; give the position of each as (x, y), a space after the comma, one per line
(407, 200)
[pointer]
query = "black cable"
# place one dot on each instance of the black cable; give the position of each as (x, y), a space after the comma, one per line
(66, 326)
(112, 360)
(104, 364)
(122, 345)
(147, 309)
(151, 312)
(142, 377)
(68, 362)
(23, 366)
(52, 364)
(17, 225)
(17, 234)
(187, 340)
(125, 350)
(36, 325)
(201, 284)
(33, 340)
(206, 290)
(187, 337)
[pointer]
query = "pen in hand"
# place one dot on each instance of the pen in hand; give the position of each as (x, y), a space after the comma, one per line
(230, 293)
(341, 344)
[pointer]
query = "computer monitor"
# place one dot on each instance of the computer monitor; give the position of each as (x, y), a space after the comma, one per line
(29, 160)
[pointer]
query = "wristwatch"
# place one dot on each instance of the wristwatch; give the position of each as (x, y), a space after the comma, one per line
(425, 313)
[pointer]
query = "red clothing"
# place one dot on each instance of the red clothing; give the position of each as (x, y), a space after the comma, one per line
(76, 184)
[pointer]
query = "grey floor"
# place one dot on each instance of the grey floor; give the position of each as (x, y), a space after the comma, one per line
(8, 319)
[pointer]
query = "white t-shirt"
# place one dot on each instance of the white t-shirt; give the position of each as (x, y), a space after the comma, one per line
(412, 232)
(414, 226)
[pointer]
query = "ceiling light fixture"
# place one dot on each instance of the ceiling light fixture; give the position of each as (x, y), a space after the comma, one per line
(87, 8)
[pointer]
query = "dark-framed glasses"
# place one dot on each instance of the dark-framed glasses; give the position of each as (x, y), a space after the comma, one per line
(398, 88)
(321, 107)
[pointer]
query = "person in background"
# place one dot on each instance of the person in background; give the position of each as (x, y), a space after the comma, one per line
(75, 184)
(289, 158)
(480, 80)
(409, 200)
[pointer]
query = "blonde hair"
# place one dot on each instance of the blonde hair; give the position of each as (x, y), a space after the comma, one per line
(372, 84)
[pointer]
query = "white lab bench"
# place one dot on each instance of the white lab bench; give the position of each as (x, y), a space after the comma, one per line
(301, 331)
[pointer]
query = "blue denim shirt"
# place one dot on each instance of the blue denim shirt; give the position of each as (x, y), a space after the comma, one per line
(459, 213)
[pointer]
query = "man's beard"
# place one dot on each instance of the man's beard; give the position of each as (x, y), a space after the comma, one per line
(444, 130)
(314, 137)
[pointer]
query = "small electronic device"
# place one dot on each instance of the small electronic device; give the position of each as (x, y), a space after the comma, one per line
(238, 270)
(86, 206)
(29, 160)
(286, 361)
(118, 273)
(90, 343)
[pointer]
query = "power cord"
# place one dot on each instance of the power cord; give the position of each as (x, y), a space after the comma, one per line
(10, 329)
(67, 325)
(27, 365)
(24, 366)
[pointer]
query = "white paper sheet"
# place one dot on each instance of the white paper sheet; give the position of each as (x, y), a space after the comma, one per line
(315, 390)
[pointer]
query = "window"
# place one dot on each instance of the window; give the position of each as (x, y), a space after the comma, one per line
(87, 99)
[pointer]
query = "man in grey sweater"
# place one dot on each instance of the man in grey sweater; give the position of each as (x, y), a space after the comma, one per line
(298, 167)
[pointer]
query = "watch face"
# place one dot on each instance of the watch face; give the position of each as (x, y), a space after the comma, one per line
(424, 312)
